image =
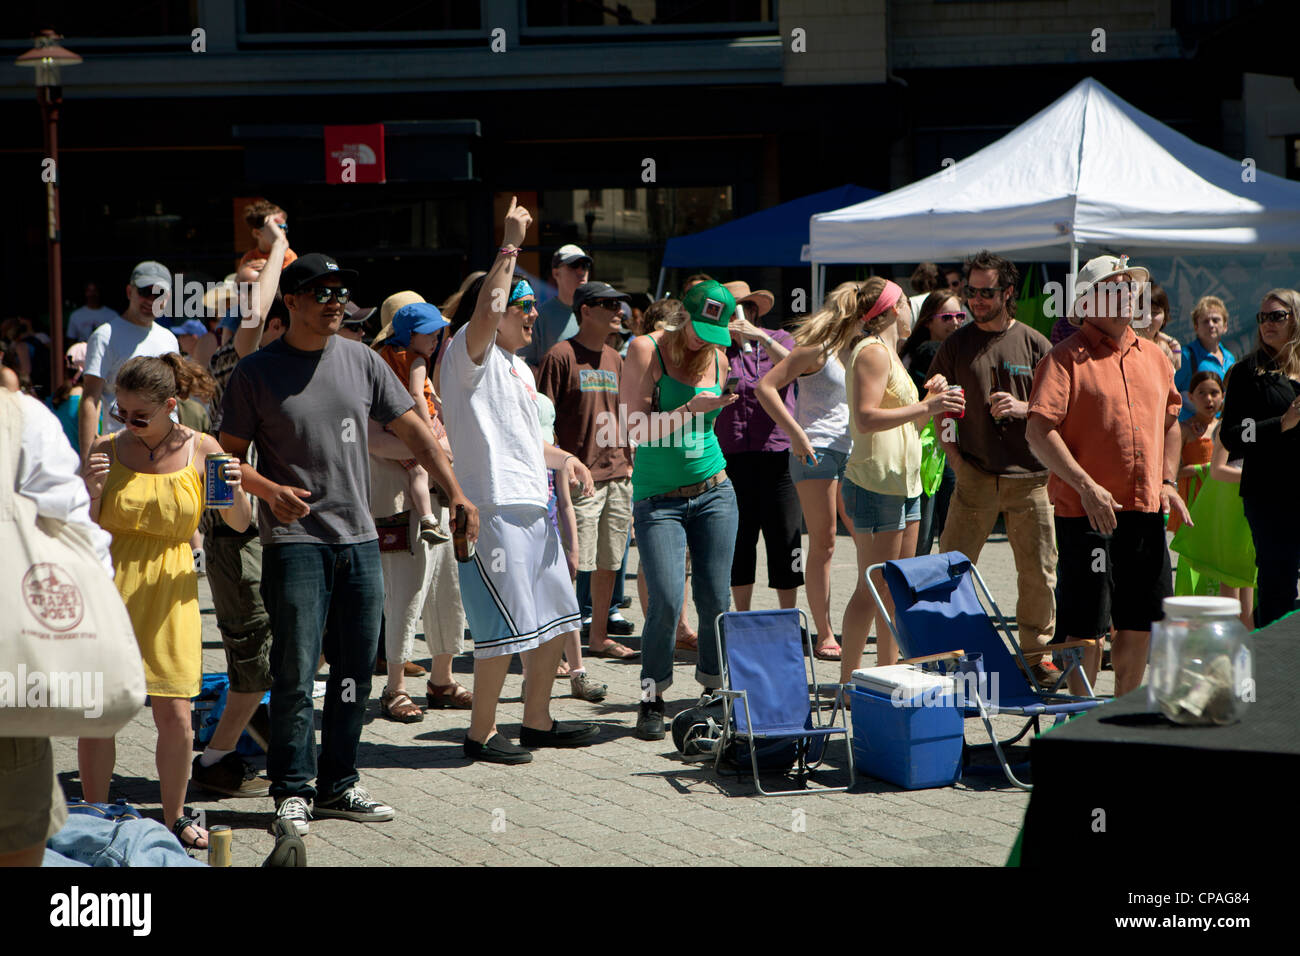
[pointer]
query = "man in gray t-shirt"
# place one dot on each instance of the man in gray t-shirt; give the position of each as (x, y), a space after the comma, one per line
(305, 399)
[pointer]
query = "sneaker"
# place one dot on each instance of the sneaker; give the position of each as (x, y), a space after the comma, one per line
(496, 750)
(584, 687)
(561, 734)
(619, 626)
(230, 775)
(292, 811)
(355, 803)
(432, 533)
(289, 849)
(650, 720)
(625, 603)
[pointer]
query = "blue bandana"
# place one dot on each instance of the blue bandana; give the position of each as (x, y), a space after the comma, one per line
(521, 290)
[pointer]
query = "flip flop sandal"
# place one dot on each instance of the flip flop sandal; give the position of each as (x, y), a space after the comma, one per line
(615, 651)
(400, 708)
(179, 828)
(688, 644)
(451, 695)
(562, 671)
(832, 652)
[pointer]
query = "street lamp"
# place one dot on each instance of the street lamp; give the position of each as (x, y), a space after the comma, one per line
(48, 58)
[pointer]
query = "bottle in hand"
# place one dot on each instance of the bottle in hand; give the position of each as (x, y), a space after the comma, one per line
(460, 536)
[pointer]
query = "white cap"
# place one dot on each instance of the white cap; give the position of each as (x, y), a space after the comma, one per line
(1180, 608)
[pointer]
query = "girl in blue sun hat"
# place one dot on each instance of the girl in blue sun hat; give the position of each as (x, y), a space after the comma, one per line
(410, 341)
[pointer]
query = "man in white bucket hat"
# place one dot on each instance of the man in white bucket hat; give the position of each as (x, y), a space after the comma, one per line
(1103, 417)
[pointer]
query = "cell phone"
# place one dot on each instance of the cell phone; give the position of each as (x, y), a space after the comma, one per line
(730, 387)
(464, 548)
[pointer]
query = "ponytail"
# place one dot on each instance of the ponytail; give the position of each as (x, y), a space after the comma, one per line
(165, 376)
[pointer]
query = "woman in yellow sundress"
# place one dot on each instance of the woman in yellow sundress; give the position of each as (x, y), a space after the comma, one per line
(146, 489)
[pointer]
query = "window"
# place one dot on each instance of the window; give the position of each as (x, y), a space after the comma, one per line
(348, 16)
(643, 13)
(85, 19)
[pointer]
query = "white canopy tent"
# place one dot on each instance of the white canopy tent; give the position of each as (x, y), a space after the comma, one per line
(1090, 174)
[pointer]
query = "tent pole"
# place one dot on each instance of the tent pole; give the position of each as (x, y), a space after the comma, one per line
(1070, 279)
(659, 290)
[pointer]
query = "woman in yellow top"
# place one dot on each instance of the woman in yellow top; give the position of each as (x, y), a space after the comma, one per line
(146, 487)
(882, 480)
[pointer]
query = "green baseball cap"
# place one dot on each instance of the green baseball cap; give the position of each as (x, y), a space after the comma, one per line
(710, 306)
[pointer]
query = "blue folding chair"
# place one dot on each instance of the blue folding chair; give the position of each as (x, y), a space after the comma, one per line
(940, 624)
(762, 655)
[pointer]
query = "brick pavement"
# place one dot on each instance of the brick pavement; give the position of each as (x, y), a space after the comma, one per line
(622, 801)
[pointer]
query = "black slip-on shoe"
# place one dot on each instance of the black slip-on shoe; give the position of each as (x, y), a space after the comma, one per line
(496, 750)
(561, 734)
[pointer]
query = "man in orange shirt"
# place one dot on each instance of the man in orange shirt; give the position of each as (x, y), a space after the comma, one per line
(1103, 417)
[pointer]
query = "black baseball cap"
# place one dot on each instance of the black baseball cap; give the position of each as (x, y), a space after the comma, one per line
(307, 269)
(594, 292)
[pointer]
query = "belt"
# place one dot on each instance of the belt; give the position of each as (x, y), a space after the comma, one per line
(690, 491)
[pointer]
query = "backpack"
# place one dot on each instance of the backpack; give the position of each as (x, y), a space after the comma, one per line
(698, 732)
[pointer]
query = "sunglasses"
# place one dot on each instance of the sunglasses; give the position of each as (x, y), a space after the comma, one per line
(324, 293)
(148, 292)
(1277, 315)
(991, 292)
(613, 305)
(119, 416)
(526, 305)
(950, 316)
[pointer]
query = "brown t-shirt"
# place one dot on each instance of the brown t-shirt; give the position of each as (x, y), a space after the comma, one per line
(583, 384)
(982, 363)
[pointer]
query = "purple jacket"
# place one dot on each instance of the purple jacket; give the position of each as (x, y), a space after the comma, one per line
(743, 425)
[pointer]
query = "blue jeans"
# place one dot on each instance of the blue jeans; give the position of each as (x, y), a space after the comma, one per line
(665, 527)
(330, 597)
(616, 598)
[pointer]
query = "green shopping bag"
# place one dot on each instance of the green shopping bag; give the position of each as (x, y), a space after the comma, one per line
(1218, 544)
(1032, 301)
(932, 459)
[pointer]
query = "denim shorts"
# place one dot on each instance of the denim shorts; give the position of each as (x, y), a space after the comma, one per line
(876, 512)
(830, 468)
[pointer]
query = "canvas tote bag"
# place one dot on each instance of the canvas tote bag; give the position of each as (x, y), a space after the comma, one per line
(69, 662)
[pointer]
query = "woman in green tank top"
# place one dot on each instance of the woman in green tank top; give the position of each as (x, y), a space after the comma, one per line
(672, 390)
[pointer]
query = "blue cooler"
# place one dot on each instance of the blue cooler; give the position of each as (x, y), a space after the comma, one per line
(208, 708)
(907, 728)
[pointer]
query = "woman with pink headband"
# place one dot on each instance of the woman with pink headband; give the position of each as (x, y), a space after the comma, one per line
(882, 485)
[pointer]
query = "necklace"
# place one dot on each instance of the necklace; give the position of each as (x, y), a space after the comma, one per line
(159, 445)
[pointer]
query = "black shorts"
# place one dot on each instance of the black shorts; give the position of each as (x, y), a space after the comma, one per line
(1119, 578)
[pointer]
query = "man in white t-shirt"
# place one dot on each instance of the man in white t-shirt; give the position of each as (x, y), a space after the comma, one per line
(123, 337)
(516, 591)
(89, 317)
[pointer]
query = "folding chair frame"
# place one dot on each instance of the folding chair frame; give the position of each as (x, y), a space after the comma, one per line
(1071, 651)
(804, 769)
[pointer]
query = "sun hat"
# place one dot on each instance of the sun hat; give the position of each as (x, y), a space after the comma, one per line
(1098, 270)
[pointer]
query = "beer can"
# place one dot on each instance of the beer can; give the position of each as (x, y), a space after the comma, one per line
(217, 492)
(219, 842)
(961, 391)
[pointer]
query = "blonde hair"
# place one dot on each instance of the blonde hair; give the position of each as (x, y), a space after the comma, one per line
(1204, 304)
(838, 323)
(1287, 358)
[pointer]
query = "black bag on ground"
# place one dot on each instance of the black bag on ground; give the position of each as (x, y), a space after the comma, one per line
(697, 733)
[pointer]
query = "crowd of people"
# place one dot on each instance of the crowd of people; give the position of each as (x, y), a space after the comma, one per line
(486, 464)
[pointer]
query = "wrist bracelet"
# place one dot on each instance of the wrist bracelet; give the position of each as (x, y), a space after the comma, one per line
(566, 458)
(1170, 482)
(507, 251)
